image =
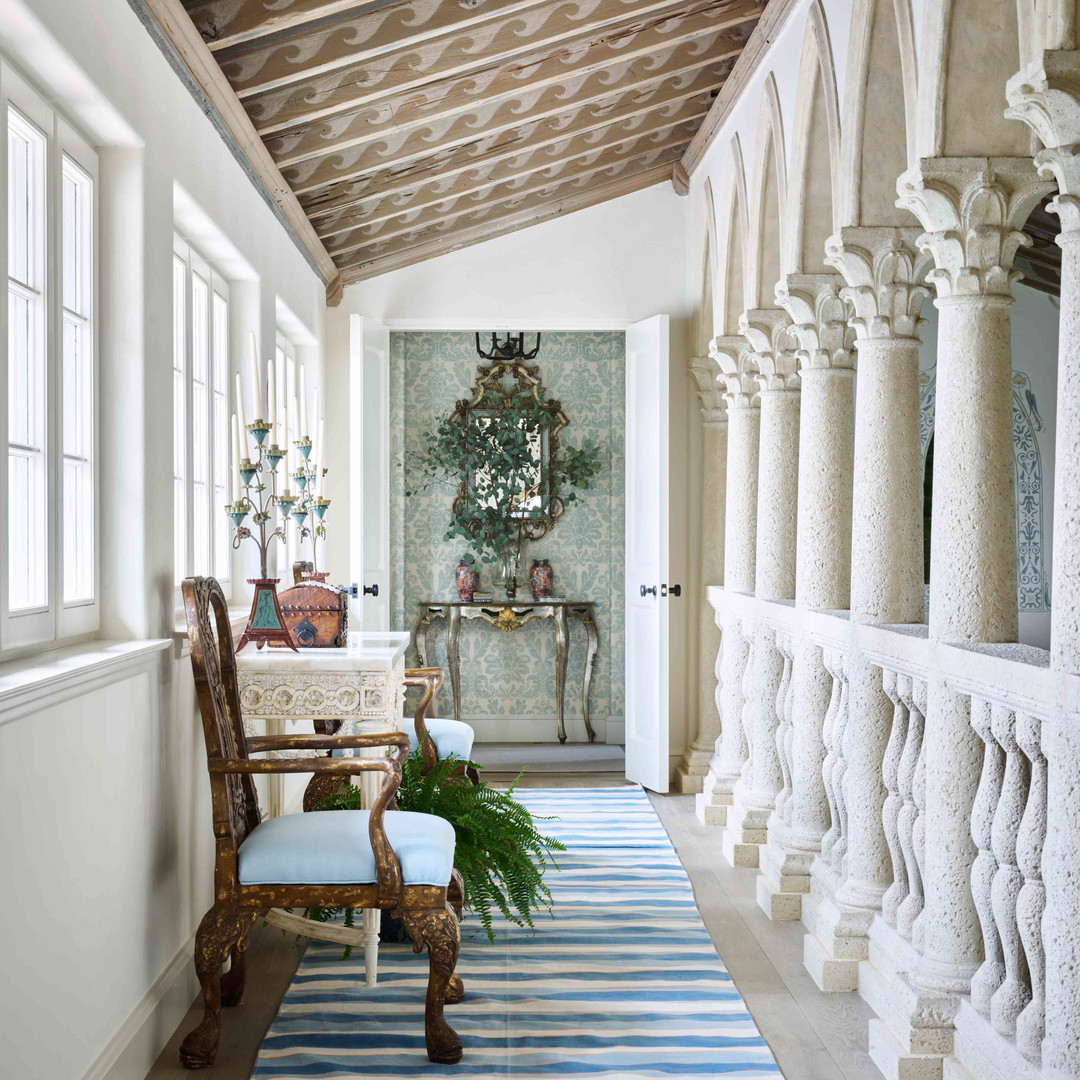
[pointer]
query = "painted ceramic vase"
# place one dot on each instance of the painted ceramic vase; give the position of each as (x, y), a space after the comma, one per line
(467, 580)
(541, 578)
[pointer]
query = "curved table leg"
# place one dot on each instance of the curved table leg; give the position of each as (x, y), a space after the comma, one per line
(586, 619)
(453, 657)
(562, 636)
(421, 635)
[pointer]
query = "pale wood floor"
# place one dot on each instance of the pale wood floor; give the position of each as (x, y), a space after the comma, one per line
(814, 1036)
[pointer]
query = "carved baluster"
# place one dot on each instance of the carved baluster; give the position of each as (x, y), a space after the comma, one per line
(990, 975)
(1030, 1024)
(732, 664)
(903, 902)
(784, 731)
(909, 918)
(1014, 992)
(830, 658)
(894, 801)
(749, 703)
(840, 847)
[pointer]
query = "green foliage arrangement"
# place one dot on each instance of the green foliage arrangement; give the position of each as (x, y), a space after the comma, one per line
(500, 854)
(496, 455)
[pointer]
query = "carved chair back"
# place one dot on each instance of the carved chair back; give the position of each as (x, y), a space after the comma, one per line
(213, 661)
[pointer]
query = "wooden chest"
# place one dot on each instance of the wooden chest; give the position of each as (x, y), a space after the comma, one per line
(316, 615)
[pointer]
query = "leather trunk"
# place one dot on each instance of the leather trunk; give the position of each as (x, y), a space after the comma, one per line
(316, 615)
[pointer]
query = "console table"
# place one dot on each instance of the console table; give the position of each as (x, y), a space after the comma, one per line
(362, 686)
(509, 615)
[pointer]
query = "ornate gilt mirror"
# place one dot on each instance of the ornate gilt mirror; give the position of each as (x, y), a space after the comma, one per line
(508, 391)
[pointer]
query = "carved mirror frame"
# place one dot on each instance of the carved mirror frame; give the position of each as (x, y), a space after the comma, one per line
(503, 384)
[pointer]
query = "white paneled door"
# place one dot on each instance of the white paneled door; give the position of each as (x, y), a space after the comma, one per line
(369, 486)
(647, 515)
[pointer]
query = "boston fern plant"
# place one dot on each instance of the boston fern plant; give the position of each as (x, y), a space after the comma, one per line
(500, 854)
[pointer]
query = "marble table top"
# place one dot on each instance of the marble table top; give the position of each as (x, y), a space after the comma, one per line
(367, 651)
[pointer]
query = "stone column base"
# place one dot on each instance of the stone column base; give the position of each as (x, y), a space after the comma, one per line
(712, 804)
(691, 774)
(981, 1053)
(745, 833)
(914, 1032)
(836, 939)
(784, 879)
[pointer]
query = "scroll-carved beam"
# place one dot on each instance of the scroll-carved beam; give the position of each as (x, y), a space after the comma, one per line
(401, 256)
(583, 52)
(505, 159)
(229, 22)
(416, 123)
(416, 42)
(666, 150)
(611, 149)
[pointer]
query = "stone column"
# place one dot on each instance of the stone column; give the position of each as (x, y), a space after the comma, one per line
(740, 544)
(972, 210)
(705, 371)
(1046, 96)
(883, 275)
(823, 564)
(772, 349)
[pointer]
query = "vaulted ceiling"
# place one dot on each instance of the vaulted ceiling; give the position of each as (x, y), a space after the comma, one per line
(409, 128)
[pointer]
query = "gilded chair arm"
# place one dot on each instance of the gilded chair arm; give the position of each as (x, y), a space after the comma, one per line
(430, 679)
(258, 744)
(387, 867)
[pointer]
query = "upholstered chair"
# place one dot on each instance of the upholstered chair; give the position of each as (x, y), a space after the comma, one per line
(439, 736)
(377, 858)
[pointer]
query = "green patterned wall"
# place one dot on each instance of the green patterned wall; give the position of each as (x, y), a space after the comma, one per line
(508, 678)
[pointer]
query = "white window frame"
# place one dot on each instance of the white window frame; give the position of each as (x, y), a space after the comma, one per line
(215, 466)
(56, 621)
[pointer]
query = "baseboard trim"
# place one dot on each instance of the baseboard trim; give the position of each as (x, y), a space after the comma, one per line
(136, 1044)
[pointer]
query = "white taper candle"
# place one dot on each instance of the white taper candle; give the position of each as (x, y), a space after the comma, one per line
(303, 432)
(271, 393)
(235, 459)
(240, 412)
(321, 459)
(256, 381)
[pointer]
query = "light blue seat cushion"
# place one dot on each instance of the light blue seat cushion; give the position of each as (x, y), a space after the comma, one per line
(449, 737)
(331, 847)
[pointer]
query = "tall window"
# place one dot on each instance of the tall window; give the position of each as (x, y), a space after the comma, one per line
(200, 416)
(286, 375)
(47, 360)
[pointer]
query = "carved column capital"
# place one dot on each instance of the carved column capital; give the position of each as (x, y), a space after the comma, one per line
(772, 346)
(737, 371)
(705, 371)
(885, 274)
(1046, 96)
(972, 211)
(819, 317)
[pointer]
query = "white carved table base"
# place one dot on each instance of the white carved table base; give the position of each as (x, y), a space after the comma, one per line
(280, 690)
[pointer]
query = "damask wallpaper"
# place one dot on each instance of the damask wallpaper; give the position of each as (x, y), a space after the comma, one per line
(508, 678)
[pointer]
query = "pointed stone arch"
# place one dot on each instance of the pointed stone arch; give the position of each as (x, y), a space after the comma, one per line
(765, 237)
(732, 278)
(970, 48)
(812, 201)
(705, 317)
(879, 112)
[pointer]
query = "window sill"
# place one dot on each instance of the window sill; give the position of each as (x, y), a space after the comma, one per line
(238, 617)
(32, 685)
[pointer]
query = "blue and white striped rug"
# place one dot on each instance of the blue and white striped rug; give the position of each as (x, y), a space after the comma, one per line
(624, 982)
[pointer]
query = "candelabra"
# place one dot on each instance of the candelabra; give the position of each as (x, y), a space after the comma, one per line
(308, 507)
(259, 480)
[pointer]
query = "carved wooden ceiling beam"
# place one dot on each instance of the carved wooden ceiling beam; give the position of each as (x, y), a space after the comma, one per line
(509, 157)
(572, 48)
(647, 150)
(223, 23)
(416, 121)
(476, 233)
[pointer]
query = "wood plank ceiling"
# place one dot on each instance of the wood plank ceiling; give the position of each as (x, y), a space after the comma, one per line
(409, 128)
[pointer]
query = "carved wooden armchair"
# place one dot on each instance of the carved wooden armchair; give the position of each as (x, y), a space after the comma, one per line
(438, 736)
(377, 858)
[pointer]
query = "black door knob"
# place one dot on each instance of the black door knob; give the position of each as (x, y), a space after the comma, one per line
(372, 589)
(675, 590)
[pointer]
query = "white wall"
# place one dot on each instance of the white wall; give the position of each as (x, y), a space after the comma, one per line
(107, 842)
(600, 268)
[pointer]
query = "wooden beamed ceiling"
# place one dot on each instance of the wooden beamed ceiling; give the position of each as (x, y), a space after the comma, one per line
(409, 128)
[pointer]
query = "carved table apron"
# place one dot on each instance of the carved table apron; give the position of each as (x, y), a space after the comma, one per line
(363, 687)
(511, 615)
